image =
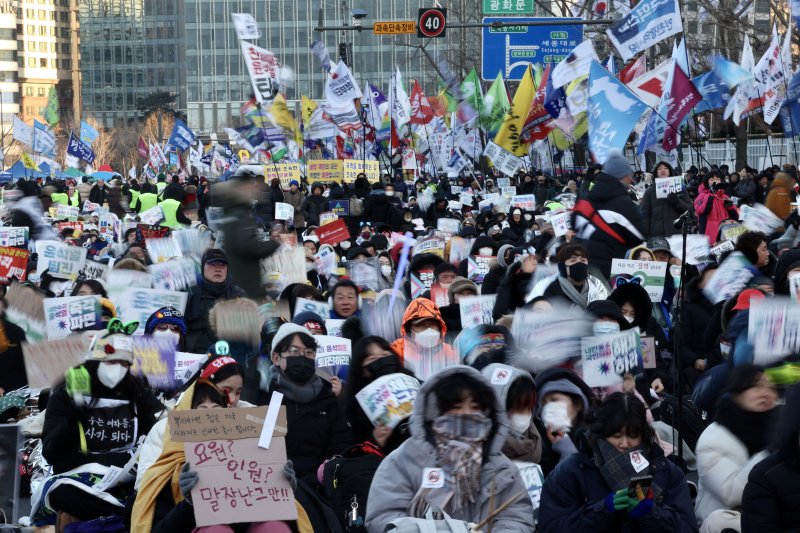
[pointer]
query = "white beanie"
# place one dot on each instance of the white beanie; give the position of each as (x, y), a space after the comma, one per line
(285, 331)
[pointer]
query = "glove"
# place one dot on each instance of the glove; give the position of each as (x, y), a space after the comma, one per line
(186, 482)
(288, 472)
(620, 501)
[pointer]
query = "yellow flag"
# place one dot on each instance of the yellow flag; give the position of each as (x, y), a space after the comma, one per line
(559, 139)
(308, 106)
(508, 136)
(281, 114)
(28, 161)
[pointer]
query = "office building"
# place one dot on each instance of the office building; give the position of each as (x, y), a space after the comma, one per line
(9, 70)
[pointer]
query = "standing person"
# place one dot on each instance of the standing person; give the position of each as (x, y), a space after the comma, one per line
(607, 222)
(174, 217)
(244, 244)
(314, 205)
(589, 491)
(712, 206)
(84, 189)
(27, 212)
(294, 197)
(98, 193)
(13, 376)
(458, 428)
(780, 195)
(174, 190)
(659, 213)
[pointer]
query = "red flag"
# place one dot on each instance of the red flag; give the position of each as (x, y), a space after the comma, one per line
(438, 105)
(421, 111)
(683, 97)
(538, 123)
(631, 71)
(143, 151)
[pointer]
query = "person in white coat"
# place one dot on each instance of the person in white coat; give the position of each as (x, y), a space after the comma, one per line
(732, 445)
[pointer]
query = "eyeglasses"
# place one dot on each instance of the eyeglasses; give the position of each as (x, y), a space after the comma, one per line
(293, 352)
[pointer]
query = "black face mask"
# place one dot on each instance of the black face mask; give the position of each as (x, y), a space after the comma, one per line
(579, 271)
(300, 369)
(383, 367)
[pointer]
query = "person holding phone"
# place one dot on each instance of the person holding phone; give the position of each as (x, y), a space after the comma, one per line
(619, 480)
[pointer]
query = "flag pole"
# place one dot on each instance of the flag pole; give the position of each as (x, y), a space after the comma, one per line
(786, 88)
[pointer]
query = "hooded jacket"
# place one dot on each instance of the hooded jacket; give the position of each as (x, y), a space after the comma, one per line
(710, 210)
(295, 199)
(410, 353)
(771, 500)
(787, 261)
(481, 241)
(199, 303)
(781, 195)
(399, 476)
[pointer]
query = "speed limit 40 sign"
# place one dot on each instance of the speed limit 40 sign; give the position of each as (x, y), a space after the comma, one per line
(431, 22)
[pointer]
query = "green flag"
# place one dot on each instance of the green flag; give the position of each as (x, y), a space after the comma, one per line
(495, 106)
(471, 90)
(51, 114)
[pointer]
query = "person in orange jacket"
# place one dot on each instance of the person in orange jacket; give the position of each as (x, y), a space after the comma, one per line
(421, 346)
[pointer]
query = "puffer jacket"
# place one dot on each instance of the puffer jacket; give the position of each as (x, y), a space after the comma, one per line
(313, 207)
(659, 213)
(709, 207)
(781, 195)
(400, 475)
(411, 354)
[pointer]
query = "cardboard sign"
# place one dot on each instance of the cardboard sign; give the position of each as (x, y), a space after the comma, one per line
(760, 218)
(302, 305)
(64, 316)
(14, 236)
(155, 360)
(731, 277)
(326, 170)
(333, 233)
(284, 211)
(138, 304)
(389, 400)
(46, 362)
(606, 358)
(477, 310)
(666, 186)
(772, 329)
(533, 479)
(649, 275)
(333, 356)
(163, 249)
(13, 264)
(59, 259)
(340, 207)
(152, 216)
(198, 425)
(526, 201)
(478, 266)
(648, 352)
(67, 212)
(327, 218)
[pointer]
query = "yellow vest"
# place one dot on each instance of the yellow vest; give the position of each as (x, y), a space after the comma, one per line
(60, 198)
(76, 200)
(160, 186)
(134, 198)
(148, 201)
(170, 210)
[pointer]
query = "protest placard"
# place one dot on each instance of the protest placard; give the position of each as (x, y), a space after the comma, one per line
(420, 282)
(304, 304)
(648, 352)
(192, 241)
(794, 287)
(364, 273)
(138, 304)
(327, 170)
(722, 248)
(95, 270)
(155, 360)
(608, 357)
(508, 192)
(731, 277)
(773, 328)
(696, 248)
(88, 206)
(453, 225)
(186, 364)
(731, 231)
(649, 275)
(67, 212)
(14, 236)
(145, 233)
(46, 362)
(340, 207)
(478, 266)
(163, 249)
(152, 216)
(59, 259)
(666, 186)
(760, 218)
(503, 182)
(284, 172)
(561, 223)
(525, 201)
(334, 326)
(389, 400)
(466, 198)
(333, 233)
(431, 245)
(24, 307)
(325, 261)
(333, 356)
(120, 280)
(351, 168)
(284, 211)
(175, 274)
(13, 264)
(327, 218)
(533, 479)
(476, 310)
(70, 314)
(237, 480)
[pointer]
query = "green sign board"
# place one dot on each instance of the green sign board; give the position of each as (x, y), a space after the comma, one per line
(508, 7)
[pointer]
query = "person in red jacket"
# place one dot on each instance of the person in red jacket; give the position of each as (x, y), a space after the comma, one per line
(712, 206)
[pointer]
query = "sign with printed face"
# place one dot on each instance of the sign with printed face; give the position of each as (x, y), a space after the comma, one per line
(389, 399)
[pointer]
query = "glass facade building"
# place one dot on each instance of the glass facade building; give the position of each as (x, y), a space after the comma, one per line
(9, 70)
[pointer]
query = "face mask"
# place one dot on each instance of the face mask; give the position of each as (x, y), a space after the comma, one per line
(168, 335)
(309, 266)
(604, 327)
(300, 369)
(528, 217)
(427, 338)
(579, 271)
(383, 367)
(111, 375)
(345, 245)
(537, 232)
(386, 270)
(485, 251)
(519, 422)
(630, 319)
(463, 427)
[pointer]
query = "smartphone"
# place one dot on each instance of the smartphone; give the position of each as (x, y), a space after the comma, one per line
(639, 486)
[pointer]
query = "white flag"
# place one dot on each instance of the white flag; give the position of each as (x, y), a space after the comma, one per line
(246, 26)
(650, 86)
(263, 67)
(341, 88)
(157, 155)
(401, 106)
(575, 65)
(22, 132)
(775, 92)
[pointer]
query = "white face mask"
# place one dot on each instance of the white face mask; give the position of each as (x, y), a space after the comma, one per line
(168, 335)
(528, 217)
(386, 270)
(519, 422)
(604, 327)
(485, 251)
(111, 375)
(630, 319)
(345, 245)
(427, 338)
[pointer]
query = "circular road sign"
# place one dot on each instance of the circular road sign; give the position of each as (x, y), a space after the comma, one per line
(431, 22)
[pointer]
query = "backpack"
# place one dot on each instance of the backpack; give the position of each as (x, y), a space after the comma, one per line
(346, 480)
(692, 423)
(356, 206)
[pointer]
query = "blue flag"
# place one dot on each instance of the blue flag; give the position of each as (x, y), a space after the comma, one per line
(714, 90)
(649, 23)
(79, 149)
(729, 72)
(182, 136)
(790, 118)
(88, 133)
(554, 99)
(613, 110)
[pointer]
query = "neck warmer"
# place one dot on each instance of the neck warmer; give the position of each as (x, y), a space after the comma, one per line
(581, 299)
(753, 429)
(216, 290)
(302, 394)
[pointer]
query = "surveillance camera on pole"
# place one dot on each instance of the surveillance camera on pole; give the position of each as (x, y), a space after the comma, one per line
(358, 15)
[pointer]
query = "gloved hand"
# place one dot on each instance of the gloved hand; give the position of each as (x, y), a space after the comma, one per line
(288, 472)
(643, 507)
(186, 482)
(620, 501)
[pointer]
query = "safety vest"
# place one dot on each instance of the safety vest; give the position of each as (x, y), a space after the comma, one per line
(160, 186)
(134, 198)
(76, 198)
(170, 209)
(60, 198)
(147, 201)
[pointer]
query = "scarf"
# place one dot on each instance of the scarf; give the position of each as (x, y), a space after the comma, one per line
(217, 290)
(459, 453)
(167, 469)
(581, 299)
(753, 429)
(615, 466)
(526, 447)
(302, 394)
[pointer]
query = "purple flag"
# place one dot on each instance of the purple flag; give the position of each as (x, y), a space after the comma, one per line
(683, 98)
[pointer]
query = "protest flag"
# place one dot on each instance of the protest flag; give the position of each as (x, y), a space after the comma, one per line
(649, 23)
(575, 65)
(684, 97)
(51, 112)
(509, 136)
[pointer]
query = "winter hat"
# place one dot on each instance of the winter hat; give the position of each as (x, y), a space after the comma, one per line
(459, 284)
(355, 252)
(115, 344)
(501, 255)
(214, 255)
(301, 319)
(617, 165)
(165, 315)
(215, 365)
(746, 298)
(658, 244)
(286, 331)
(601, 308)
(294, 182)
(564, 386)
(380, 242)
